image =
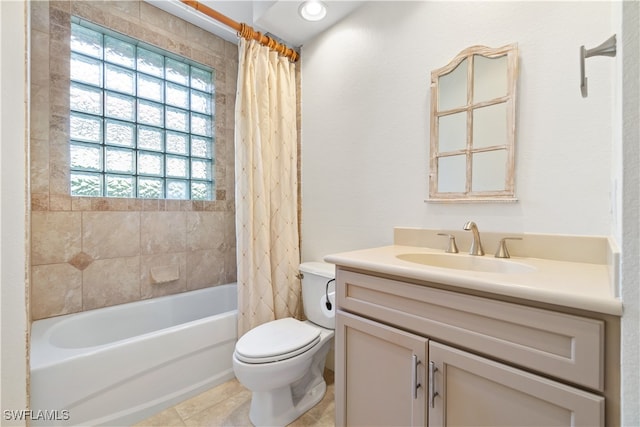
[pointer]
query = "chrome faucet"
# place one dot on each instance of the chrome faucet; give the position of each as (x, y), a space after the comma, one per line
(476, 244)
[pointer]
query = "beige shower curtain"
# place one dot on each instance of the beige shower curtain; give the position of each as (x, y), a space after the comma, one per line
(266, 187)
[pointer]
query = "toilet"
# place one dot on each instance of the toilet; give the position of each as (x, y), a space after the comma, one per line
(282, 361)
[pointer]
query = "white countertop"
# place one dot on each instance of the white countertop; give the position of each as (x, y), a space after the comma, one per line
(580, 285)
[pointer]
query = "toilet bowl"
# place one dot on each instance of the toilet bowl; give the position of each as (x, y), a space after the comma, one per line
(282, 361)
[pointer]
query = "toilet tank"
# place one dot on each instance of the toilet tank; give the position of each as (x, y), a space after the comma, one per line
(315, 276)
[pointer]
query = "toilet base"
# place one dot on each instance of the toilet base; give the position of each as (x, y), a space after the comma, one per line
(295, 395)
(279, 407)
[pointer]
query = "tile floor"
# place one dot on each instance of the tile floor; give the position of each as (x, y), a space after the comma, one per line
(228, 405)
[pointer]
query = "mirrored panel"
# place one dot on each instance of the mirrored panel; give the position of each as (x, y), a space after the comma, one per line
(486, 176)
(489, 77)
(451, 174)
(453, 132)
(473, 126)
(453, 87)
(490, 126)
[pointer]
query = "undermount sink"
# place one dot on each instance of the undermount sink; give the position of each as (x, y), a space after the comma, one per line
(467, 262)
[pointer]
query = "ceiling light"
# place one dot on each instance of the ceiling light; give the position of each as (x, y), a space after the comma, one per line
(313, 10)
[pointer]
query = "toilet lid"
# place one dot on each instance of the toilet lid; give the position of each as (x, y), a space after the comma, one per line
(276, 340)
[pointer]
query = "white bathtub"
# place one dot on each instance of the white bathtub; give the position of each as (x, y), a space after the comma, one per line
(121, 364)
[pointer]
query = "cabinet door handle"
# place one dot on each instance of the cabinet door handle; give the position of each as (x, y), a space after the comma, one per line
(415, 385)
(432, 392)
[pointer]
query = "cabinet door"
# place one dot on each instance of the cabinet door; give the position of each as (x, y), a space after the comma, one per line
(474, 391)
(380, 374)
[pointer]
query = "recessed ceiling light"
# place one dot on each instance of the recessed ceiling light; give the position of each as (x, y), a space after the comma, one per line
(313, 10)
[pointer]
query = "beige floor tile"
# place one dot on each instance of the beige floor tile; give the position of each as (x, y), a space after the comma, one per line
(323, 410)
(328, 419)
(209, 398)
(305, 420)
(167, 418)
(231, 412)
(228, 405)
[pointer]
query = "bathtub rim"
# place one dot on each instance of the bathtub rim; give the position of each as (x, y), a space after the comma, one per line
(43, 353)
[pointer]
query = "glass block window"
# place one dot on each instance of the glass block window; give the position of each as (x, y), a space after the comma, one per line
(141, 120)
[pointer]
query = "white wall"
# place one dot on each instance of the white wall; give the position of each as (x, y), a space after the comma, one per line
(13, 137)
(365, 120)
(365, 131)
(630, 230)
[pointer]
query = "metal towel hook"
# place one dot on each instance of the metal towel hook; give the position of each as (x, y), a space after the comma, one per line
(608, 48)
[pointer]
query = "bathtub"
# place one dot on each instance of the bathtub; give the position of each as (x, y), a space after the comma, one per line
(121, 364)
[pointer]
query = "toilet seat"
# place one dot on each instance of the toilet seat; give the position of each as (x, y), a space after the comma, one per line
(276, 340)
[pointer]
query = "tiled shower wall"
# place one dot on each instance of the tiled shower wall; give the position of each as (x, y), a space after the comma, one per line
(88, 253)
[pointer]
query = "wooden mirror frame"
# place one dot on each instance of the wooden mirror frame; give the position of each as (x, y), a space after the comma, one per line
(469, 195)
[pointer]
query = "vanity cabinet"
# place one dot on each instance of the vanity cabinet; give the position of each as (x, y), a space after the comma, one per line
(416, 354)
(476, 391)
(381, 382)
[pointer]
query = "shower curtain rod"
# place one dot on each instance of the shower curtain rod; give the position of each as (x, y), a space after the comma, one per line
(244, 30)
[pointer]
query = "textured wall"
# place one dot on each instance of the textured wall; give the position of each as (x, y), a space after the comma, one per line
(13, 209)
(88, 253)
(630, 293)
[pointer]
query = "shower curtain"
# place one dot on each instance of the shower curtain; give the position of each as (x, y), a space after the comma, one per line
(268, 250)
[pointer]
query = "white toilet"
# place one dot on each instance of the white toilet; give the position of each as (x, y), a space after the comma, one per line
(282, 361)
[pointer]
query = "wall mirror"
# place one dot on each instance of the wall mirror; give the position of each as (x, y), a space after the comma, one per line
(473, 126)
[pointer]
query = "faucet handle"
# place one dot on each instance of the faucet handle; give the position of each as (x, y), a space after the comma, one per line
(453, 248)
(502, 251)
